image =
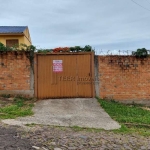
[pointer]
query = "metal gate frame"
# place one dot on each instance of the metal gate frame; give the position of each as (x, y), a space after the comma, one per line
(80, 53)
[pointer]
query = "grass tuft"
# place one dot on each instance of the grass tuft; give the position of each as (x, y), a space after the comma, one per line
(133, 118)
(20, 107)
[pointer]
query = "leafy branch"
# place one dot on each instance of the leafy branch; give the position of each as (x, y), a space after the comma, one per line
(141, 53)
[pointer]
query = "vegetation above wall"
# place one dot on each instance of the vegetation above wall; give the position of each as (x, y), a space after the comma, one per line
(87, 48)
(21, 47)
(141, 53)
(24, 47)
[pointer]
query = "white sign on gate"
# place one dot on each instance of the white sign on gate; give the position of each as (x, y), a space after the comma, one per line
(57, 66)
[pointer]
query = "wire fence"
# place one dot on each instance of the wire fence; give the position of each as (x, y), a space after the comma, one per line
(116, 52)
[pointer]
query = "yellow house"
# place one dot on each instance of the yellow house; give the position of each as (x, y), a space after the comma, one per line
(15, 35)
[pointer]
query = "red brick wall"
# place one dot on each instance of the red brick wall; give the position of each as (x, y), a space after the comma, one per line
(14, 71)
(124, 78)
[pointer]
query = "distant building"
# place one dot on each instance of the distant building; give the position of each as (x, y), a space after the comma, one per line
(15, 35)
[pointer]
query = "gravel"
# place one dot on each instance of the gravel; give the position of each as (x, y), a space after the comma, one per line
(61, 138)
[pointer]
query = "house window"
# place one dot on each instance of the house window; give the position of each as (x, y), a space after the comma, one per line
(12, 43)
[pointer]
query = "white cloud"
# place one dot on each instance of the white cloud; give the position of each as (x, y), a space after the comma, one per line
(104, 24)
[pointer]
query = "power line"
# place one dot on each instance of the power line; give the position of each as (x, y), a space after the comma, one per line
(140, 5)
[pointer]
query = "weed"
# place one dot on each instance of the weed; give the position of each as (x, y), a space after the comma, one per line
(132, 117)
(31, 125)
(19, 108)
(5, 95)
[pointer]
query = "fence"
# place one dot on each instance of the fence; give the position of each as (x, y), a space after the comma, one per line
(115, 52)
(16, 76)
(124, 78)
(119, 77)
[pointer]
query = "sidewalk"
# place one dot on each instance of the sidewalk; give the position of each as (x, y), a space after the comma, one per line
(82, 112)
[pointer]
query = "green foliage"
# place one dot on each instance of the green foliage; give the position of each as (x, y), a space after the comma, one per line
(125, 113)
(45, 51)
(132, 114)
(77, 48)
(21, 47)
(19, 108)
(19, 102)
(87, 48)
(141, 53)
(72, 49)
(31, 49)
(13, 111)
(3, 48)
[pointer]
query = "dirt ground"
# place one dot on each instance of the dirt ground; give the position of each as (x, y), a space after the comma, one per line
(42, 137)
(10, 139)
(60, 138)
(5, 101)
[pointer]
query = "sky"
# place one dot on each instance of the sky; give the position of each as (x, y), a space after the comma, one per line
(103, 24)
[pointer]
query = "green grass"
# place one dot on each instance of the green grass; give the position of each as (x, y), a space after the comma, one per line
(20, 107)
(132, 117)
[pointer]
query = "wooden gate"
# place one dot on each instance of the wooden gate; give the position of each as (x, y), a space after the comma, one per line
(64, 75)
